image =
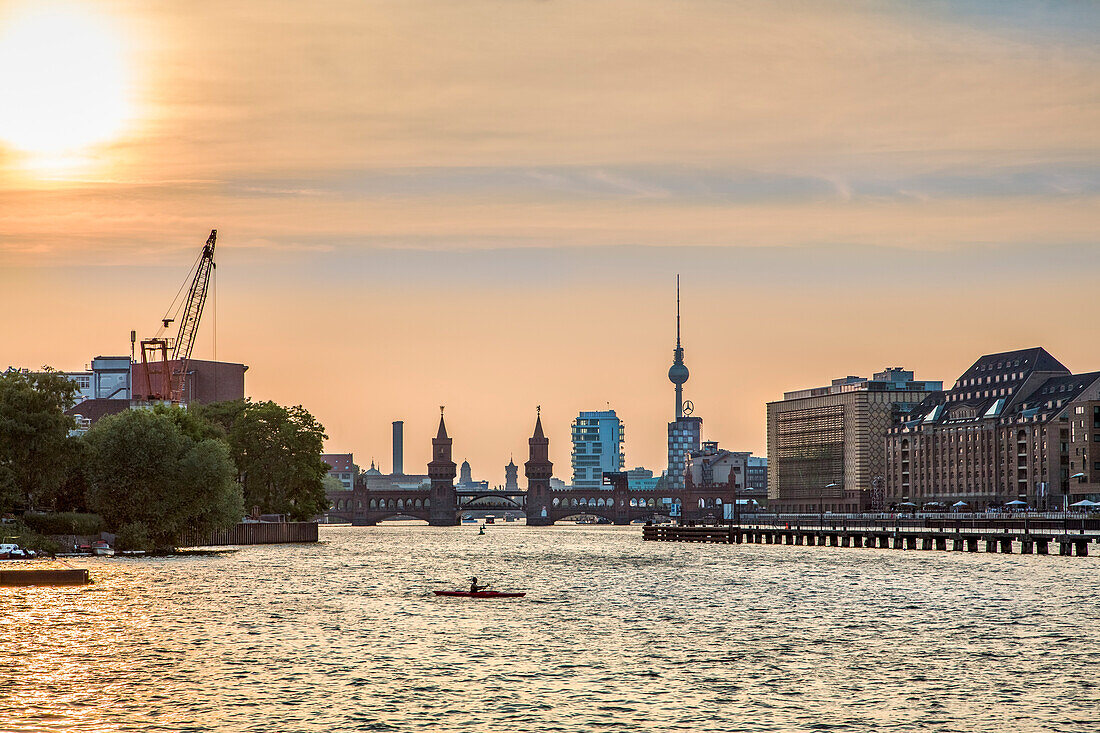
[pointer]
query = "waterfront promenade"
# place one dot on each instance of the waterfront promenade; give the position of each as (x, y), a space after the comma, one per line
(1029, 534)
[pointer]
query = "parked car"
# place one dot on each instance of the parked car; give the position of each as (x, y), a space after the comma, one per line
(11, 551)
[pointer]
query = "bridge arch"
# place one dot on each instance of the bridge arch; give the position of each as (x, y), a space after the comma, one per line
(588, 512)
(419, 516)
(492, 501)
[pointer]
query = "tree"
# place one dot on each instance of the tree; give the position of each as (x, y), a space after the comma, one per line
(34, 436)
(278, 455)
(223, 415)
(331, 483)
(72, 494)
(152, 483)
(193, 423)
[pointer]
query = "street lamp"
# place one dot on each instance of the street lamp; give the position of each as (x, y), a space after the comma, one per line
(1065, 504)
(821, 506)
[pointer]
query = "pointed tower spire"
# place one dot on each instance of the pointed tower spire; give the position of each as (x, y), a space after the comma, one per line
(441, 472)
(538, 424)
(442, 433)
(538, 470)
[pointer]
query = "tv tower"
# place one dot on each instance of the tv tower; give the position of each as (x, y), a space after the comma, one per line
(678, 373)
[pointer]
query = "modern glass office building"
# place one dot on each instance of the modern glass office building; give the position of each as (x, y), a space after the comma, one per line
(597, 447)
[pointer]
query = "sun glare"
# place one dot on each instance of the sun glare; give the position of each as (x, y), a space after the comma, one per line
(64, 83)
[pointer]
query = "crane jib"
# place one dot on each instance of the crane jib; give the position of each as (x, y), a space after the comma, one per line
(164, 363)
(192, 312)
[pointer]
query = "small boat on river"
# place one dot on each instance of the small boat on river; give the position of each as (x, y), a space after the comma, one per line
(478, 594)
(101, 548)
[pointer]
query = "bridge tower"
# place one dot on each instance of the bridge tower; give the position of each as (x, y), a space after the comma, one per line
(538, 470)
(444, 508)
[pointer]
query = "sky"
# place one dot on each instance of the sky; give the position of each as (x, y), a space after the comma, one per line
(485, 204)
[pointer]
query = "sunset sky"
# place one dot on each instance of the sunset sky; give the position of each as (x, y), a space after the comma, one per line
(484, 204)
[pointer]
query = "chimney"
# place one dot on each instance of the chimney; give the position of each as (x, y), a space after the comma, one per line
(398, 447)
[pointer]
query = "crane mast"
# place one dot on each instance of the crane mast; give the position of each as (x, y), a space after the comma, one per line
(165, 363)
(189, 326)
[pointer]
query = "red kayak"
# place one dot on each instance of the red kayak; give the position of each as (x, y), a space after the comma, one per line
(479, 594)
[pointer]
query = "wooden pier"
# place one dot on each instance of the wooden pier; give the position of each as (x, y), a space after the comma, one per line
(254, 533)
(969, 540)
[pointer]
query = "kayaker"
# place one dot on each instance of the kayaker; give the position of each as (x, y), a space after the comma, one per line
(474, 587)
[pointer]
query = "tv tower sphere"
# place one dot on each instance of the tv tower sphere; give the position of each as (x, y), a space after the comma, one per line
(678, 373)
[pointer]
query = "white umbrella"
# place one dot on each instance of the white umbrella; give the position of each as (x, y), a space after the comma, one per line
(960, 503)
(1085, 503)
(1017, 502)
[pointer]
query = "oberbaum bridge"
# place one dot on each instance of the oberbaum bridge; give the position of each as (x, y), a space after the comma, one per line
(441, 504)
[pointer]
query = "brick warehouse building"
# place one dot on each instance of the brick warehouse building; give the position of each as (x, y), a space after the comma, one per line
(205, 381)
(1015, 426)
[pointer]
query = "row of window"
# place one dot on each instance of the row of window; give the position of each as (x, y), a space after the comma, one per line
(994, 379)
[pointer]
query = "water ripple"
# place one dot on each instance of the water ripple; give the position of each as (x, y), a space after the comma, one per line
(615, 635)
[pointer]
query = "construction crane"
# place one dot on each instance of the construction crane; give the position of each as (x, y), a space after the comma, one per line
(163, 360)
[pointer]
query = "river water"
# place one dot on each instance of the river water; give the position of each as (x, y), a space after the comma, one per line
(614, 635)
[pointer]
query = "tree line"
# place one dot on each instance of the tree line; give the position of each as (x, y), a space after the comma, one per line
(154, 474)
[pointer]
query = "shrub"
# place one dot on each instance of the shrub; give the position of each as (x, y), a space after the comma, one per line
(133, 536)
(30, 540)
(64, 523)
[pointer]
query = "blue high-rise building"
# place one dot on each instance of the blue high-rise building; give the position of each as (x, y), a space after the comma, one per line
(597, 447)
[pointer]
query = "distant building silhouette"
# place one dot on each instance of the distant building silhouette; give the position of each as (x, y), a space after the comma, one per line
(511, 476)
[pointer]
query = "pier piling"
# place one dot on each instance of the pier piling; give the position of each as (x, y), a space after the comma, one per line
(999, 541)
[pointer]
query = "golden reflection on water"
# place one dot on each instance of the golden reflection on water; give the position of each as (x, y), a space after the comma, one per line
(615, 634)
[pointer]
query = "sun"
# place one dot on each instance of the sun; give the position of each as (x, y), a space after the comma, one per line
(64, 82)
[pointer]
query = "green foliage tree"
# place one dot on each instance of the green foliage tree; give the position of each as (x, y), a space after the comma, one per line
(277, 451)
(149, 478)
(71, 495)
(221, 415)
(195, 424)
(331, 483)
(34, 437)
